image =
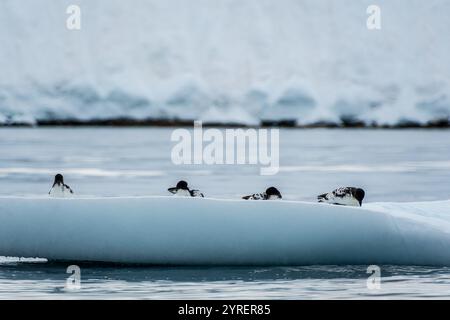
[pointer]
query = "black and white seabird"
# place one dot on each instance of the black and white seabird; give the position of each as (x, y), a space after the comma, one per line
(59, 188)
(182, 190)
(346, 196)
(271, 193)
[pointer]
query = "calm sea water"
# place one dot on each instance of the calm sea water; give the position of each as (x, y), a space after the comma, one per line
(404, 165)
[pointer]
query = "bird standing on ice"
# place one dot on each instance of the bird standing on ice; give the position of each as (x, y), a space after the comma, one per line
(347, 196)
(182, 190)
(271, 193)
(59, 188)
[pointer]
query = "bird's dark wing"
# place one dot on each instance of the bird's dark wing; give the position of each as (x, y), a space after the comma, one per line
(172, 190)
(322, 196)
(256, 196)
(196, 193)
(70, 190)
(341, 192)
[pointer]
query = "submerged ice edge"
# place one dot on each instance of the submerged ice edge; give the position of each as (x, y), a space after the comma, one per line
(92, 172)
(401, 167)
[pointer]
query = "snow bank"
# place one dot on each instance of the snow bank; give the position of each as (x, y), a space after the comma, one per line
(225, 61)
(192, 231)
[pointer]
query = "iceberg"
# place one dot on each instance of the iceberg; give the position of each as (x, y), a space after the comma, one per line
(195, 231)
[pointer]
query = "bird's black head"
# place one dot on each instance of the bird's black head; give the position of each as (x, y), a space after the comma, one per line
(272, 191)
(359, 195)
(59, 179)
(182, 185)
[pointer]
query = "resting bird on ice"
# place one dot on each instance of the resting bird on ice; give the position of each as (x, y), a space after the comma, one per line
(271, 193)
(59, 188)
(182, 190)
(347, 196)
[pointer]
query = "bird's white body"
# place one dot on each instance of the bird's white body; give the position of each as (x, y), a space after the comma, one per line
(341, 196)
(256, 196)
(263, 196)
(182, 193)
(60, 191)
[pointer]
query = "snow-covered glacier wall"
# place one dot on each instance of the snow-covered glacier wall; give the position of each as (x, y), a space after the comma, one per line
(225, 61)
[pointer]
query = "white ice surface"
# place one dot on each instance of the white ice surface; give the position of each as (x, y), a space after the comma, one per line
(194, 231)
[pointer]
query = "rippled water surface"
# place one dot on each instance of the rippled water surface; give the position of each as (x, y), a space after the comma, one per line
(48, 281)
(406, 165)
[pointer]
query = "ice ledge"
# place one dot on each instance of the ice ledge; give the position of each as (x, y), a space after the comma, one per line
(184, 231)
